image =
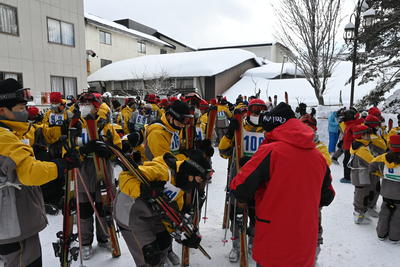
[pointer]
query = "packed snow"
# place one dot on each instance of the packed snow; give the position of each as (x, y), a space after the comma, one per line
(345, 244)
(188, 64)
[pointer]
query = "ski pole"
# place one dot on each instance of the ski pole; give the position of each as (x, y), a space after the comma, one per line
(205, 205)
(91, 201)
(78, 214)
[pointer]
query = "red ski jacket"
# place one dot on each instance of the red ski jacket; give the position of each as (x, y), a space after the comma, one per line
(290, 181)
(348, 132)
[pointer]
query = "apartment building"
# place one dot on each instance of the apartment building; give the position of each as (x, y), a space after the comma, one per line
(42, 45)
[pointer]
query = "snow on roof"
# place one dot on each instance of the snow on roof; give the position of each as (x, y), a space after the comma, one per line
(120, 27)
(299, 90)
(186, 64)
(272, 70)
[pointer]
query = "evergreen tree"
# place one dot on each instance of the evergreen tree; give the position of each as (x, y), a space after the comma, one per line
(381, 61)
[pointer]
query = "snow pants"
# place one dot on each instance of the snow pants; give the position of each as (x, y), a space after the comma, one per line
(87, 220)
(146, 235)
(346, 170)
(361, 198)
(88, 173)
(333, 139)
(389, 220)
(25, 253)
(374, 191)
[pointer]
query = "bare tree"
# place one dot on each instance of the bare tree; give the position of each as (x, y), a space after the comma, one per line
(309, 29)
(162, 85)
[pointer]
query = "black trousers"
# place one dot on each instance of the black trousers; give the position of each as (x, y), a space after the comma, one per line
(346, 169)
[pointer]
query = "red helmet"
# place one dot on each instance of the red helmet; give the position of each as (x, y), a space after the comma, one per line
(90, 98)
(256, 106)
(172, 99)
(55, 98)
(395, 143)
(32, 112)
(203, 105)
(151, 98)
(213, 101)
(360, 130)
(163, 103)
(372, 121)
(309, 120)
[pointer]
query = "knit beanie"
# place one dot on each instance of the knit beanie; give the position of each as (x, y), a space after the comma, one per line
(276, 117)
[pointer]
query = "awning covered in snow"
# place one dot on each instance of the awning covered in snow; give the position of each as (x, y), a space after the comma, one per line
(187, 64)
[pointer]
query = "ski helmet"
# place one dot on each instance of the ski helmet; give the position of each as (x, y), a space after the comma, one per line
(203, 105)
(12, 93)
(309, 120)
(180, 111)
(256, 106)
(92, 98)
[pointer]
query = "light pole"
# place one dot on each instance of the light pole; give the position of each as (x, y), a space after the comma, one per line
(351, 34)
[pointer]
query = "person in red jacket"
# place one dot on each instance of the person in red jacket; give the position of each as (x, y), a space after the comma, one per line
(287, 200)
(351, 119)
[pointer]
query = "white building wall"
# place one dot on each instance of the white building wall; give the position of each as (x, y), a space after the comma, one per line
(31, 54)
(123, 46)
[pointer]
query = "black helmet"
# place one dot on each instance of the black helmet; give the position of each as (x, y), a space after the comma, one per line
(180, 111)
(349, 115)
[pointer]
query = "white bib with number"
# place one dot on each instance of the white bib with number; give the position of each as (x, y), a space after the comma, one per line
(251, 143)
(56, 119)
(391, 174)
(175, 143)
(199, 133)
(83, 139)
(221, 115)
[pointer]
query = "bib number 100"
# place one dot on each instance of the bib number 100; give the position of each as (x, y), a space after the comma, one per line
(252, 142)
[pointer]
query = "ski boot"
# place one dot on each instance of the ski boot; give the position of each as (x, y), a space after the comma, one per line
(87, 252)
(394, 242)
(106, 245)
(360, 218)
(51, 209)
(234, 255)
(345, 181)
(173, 258)
(372, 212)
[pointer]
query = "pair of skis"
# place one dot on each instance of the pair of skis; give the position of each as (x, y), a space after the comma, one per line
(106, 188)
(180, 223)
(242, 224)
(275, 103)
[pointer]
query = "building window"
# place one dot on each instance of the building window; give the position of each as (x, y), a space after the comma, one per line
(60, 32)
(141, 47)
(105, 62)
(163, 51)
(14, 75)
(64, 85)
(184, 83)
(105, 38)
(8, 19)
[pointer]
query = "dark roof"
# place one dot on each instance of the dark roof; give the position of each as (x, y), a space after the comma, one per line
(159, 35)
(134, 25)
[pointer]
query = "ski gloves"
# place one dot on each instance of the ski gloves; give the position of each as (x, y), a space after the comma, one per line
(95, 146)
(193, 241)
(70, 161)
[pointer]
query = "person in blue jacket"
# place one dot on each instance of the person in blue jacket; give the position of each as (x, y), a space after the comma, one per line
(333, 128)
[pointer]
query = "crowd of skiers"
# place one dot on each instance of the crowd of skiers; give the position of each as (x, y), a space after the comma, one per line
(171, 142)
(371, 152)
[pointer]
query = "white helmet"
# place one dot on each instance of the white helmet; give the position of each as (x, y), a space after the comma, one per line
(107, 95)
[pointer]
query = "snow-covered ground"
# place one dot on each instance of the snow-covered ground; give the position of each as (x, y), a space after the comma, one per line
(345, 244)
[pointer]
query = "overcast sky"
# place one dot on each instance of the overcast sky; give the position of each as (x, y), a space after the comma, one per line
(200, 23)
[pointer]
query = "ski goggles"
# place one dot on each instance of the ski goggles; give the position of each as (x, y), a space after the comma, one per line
(257, 109)
(21, 95)
(182, 118)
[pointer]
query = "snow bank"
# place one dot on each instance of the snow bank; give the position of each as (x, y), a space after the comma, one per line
(299, 89)
(188, 64)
